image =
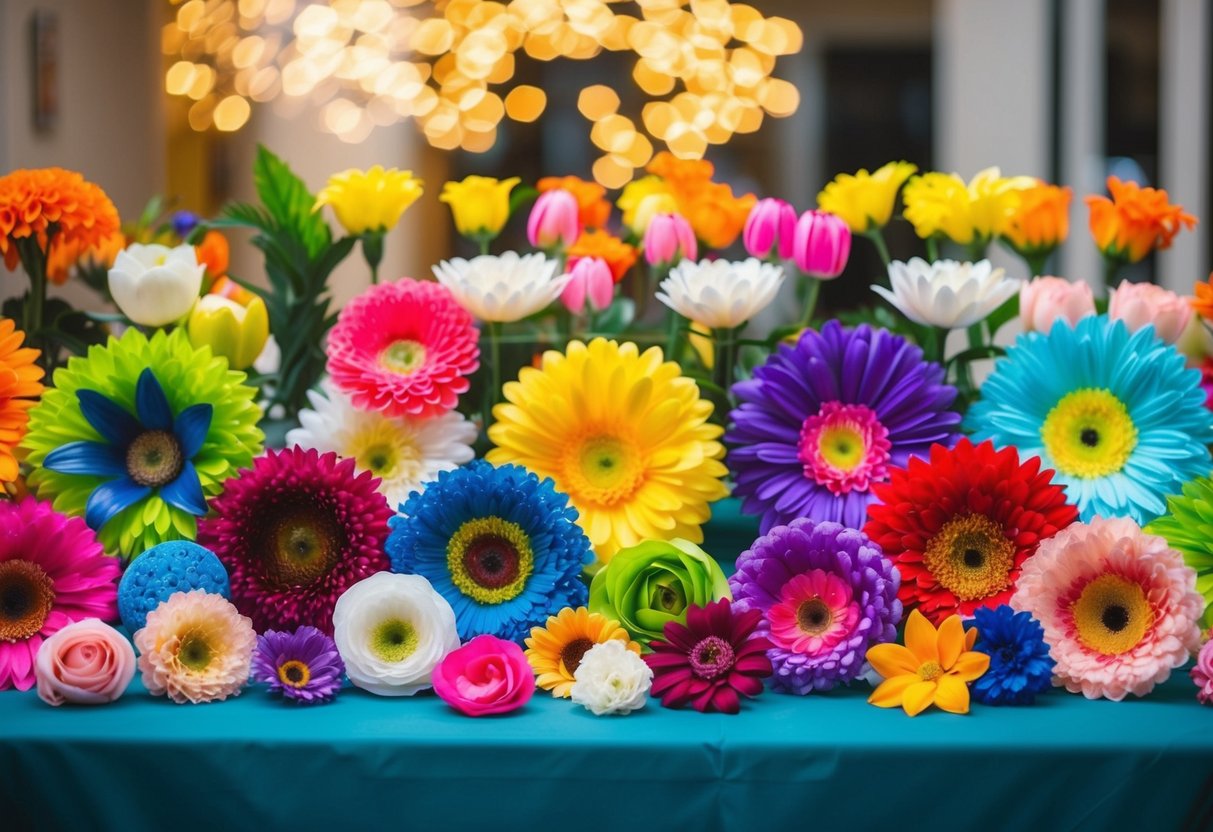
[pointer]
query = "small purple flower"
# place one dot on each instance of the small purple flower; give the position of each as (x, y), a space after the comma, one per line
(183, 223)
(302, 666)
(827, 593)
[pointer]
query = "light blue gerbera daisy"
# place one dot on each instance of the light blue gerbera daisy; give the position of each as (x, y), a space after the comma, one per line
(1116, 414)
(503, 548)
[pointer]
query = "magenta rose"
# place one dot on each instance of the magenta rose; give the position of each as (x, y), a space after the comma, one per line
(488, 675)
(86, 663)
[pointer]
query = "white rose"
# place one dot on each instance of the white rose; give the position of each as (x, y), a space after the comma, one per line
(155, 285)
(611, 679)
(391, 631)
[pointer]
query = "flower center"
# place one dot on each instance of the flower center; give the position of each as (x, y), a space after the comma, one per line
(490, 559)
(816, 610)
(394, 640)
(668, 595)
(574, 652)
(844, 447)
(403, 356)
(194, 651)
(304, 546)
(26, 596)
(929, 671)
(294, 674)
(970, 557)
(1089, 434)
(154, 458)
(1111, 615)
(712, 657)
(602, 469)
(814, 616)
(378, 459)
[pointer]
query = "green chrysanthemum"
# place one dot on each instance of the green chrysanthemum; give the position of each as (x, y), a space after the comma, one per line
(1188, 527)
(106, 429)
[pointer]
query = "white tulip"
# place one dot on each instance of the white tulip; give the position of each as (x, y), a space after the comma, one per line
(502, 288)
(720, 293)
(945, 293)
(155, 285)
(611, 679)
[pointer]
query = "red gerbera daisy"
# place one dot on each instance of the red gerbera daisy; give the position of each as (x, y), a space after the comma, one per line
(404, 348)
(960, 526)
(711, 659)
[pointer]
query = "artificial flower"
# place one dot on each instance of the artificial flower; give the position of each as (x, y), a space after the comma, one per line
(826, 594)
(392, 631)
(710, 661)
(236, 331)
(1148, 304)
(613, 251)
(865, 200)
(20, 387)
(932, 668)
(636, 454)
(822, 244)
(1039, 221)
(213, 253)
(370, 201)
(502, 547)
(480, 205)
(827, 417)
(770, 229)
(1116, 415)
(404, 452)
(52, 208)
(611, 679)
(303, 666)
(155, 285)
(590, 279)
(1118, 606)
(634, 193)
(593, 210)
(1202, 674)
(967, 214)
(488, 675)
(1135, 221)
(716, 215)
(554, 220)
(1186, 527)
(167, 568)
(668, 239)
(295, 531)
(502, 288)
(183, 223)
(718, 293)
(66, 260)
(1202, 300)
(88, 662)
(556, 649)
(196, 647)
(1020, 667)
(52, 572)
(403, 348)
(945, 293)
(1043, 300)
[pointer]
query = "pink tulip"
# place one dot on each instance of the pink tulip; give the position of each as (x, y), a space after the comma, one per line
(553, 220)
(1138, 304)
(592, 279)
(1045, 300)
(771, 222)
(822, 244)
(88, 662)
(488, 675)
(669, 240)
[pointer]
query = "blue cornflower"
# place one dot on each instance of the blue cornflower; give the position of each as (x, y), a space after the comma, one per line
(1020, 666)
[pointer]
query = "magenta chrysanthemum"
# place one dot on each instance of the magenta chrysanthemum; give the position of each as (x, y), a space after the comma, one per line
(52, 572)
(295, 531)
(404, 348)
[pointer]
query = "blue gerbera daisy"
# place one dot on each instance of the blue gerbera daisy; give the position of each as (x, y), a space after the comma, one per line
(1020, 666)
(502, 547)
(1116, 414)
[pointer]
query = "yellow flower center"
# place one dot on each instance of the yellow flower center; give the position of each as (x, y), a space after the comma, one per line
(970, 557)
(195, 651)
(403, 356)
(386, 451)
(929, 671)
(303, 548)
(842, 446)
(1089, 434)
(1111, 615)
(26, 596)
(490, 559)
(602, 469)
(154, 458)
(294, 674)
(393, 640)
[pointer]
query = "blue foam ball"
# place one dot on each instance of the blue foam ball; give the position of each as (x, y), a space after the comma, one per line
(175, 566)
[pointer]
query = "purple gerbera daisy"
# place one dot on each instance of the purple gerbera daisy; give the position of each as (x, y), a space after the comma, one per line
(822, 420)
(827, 593)
(302, 666)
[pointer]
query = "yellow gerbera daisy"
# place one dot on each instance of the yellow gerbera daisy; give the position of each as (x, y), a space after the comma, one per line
(623, 433)
(555, 651)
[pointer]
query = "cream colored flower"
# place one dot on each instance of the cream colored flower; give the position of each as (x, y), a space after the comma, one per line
(155, 285)
(720, 293)
(612, 680)
(947, 294)
(502, 288)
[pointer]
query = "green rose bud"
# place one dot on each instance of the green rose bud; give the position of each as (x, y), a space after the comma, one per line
(646, 585)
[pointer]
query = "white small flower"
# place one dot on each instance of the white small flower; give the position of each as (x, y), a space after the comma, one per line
(945, 293)
(403, 452)
(720, 293)
(502, 288)
(155, 285)
(611, 679)
(391, 631)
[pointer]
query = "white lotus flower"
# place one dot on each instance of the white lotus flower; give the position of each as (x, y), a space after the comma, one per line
(155, 285)
(947, 294)
(391, 631)
(405, 453)
(611, 679)
(720, 293)
(502, 288)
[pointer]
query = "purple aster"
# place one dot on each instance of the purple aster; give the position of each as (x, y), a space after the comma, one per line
(302, 666)
(823, 420)
(827, 593)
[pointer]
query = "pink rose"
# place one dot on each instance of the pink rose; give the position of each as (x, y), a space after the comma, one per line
(1138, 304)
(487, 675)
(1045, 300)
(1202, 674)
(86, 663)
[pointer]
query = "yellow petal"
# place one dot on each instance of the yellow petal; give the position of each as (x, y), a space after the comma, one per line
(951, 641)
(921, 638)
(889, 693)
(952, 695)
(891, 660)
(970, 666)
(918, 697)
(970, 638)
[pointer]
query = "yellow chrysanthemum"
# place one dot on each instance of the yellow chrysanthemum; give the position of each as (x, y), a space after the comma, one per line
(370, 200)
(941, 203)
(555, 651)
(623, 433)
(865, 200)
(20, 386)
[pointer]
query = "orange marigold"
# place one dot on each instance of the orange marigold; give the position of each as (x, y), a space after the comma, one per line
(618, 255)
(593, 210)
(1202, 303)
(20, 386)
(1135, 221)
(681, 174)
(715, 215)
(64, 257)
(56, 207)
(1040, 221)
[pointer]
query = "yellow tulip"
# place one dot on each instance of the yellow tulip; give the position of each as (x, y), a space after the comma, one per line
(865, 200)
(480, 205)
(636, 193)
(234, 331)
(967, 214)
(371, 200)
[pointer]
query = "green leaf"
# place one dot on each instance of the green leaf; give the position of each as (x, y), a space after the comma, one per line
(288, 201)
(522, 196)
(615, 318)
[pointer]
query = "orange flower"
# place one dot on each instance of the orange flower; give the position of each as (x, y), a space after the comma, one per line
(64, 257)
(593, 209)
(33, 203)
(1135, 221)
(20, 386)
(618, 255)
(716, 216)
(1202, 304)
(225, 287)
(213, 252)
(681, 174)
(1041, 220)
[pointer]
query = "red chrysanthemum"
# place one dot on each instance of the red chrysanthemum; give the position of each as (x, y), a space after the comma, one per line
(708, 661)
(404, 348)
(960, 526)
(295, 531)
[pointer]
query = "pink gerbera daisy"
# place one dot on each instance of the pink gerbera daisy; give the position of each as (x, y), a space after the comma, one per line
(404, 348)
(52, 572)
(1118, 606)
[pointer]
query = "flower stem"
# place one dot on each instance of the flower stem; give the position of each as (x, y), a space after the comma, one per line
(1110, 267)
(812, 290)
(724, 364)
(932, 248)
(492, 395)
(34, 261)
(978, 249)
(1036, 264)
(876, 235)
(673, 323)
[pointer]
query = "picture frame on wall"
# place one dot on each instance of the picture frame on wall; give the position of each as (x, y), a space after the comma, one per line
(44, 53)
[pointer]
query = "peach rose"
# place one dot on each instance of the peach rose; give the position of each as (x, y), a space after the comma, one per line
(86, 663)
(1138, 304)
(1044, 300)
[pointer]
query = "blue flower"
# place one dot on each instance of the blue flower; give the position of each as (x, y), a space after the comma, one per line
(502, 547)
(184, 223)
(167, 568)
(1117, 415)
(150, 451)
(1020, 666)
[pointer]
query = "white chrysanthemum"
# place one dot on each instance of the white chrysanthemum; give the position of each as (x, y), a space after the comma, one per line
(403, 452)
(946, 293)
(391, 631)
(502, 288)
(720, 293)
(611, 679)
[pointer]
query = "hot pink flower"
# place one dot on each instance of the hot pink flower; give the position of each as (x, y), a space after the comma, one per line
(488, 675)
(1138, 304)
(554, 220)
(771, 223)
(1044, 300)
(822, 244)
(86, 663)
(1202, 674)
(592, 280)
(669, 240)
